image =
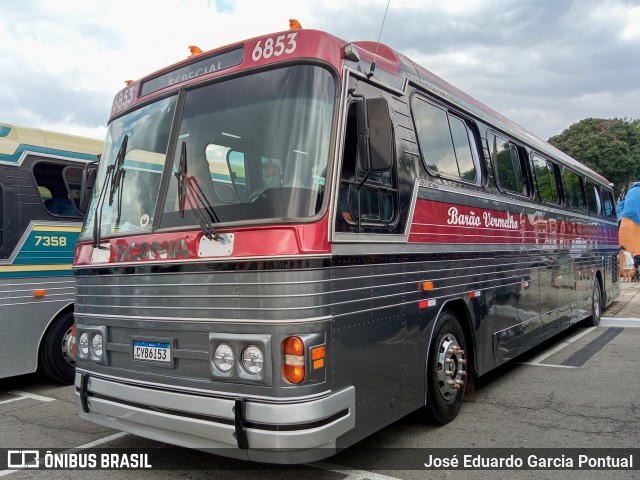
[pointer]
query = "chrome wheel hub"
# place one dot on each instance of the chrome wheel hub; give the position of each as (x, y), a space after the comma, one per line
(69, 347)
(451, 367)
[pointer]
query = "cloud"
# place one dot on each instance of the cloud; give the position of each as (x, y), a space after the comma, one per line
(540, 63)
(544, 64)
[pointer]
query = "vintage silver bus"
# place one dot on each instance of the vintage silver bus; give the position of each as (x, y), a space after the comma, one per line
(40, 180)
(294, 241)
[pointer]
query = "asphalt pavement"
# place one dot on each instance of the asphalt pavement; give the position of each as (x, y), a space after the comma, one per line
(625, 307)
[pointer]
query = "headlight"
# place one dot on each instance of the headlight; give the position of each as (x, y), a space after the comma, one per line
(223, 357)
(83, 345)
(96, 345)
(252, 359)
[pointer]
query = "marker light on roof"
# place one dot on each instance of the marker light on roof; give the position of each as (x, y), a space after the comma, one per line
(294, 24)
(128, 82)
(195, 50)
(351, 53)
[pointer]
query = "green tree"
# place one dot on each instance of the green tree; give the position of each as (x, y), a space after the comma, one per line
(610, 147)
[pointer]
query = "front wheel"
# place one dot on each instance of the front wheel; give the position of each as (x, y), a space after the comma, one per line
(58, 351)
(446, 369)
(596, 304)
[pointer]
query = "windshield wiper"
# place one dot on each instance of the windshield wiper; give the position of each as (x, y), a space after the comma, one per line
(189, 190)
(118, 178)
(181, 175)
(97, 219)
(114, 182)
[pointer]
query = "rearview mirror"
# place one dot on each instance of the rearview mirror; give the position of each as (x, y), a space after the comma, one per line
(379, 133)
(88, 182)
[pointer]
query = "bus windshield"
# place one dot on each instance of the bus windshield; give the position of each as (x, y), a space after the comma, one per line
(252, 148)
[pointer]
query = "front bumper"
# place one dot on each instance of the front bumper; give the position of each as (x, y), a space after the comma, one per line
(265, 430)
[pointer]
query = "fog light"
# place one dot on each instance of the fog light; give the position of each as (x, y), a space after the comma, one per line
(96, 345)
(223, 357)
(252, 359)
(83, 345)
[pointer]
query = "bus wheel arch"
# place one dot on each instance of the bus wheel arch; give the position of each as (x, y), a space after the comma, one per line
(56, 355)
(448, 363)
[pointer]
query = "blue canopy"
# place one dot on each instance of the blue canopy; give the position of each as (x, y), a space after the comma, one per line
(629, 206)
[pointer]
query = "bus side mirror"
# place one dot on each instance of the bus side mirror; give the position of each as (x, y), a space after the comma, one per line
(377, 136)
(88, 182)
(380, 135)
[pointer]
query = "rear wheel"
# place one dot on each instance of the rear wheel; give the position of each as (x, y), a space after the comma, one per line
(596, 304)
(446, 369)
(58, 351)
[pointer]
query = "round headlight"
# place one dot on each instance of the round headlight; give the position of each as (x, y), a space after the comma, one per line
(83, 345)
(223, 357)
(252, 359)
(96, 345)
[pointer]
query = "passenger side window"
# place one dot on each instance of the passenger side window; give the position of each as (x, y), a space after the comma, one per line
(59, 188)
(446, 142)
(593, 199)
(507, 164)
(546, 179)
(573, 190)
(608, 204)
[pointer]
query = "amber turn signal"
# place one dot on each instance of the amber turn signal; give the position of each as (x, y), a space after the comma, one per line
(294, 360)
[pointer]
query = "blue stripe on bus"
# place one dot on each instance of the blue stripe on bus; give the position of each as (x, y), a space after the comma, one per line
(15, 157)
(38, 248)
(227, 178)
(144, 165)
(36, 273)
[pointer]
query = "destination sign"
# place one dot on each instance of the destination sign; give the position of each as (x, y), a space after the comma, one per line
(202, 66)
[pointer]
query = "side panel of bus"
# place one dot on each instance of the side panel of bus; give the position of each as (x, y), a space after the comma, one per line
(513, 269)
(39, 229)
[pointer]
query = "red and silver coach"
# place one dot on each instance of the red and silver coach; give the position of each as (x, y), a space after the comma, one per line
(294, 241)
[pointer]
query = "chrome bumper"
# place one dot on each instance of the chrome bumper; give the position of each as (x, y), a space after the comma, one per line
(280, 431)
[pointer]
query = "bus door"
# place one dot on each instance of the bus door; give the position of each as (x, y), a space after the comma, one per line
(370, 314)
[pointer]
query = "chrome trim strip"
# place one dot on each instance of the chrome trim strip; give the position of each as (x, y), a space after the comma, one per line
(200, 260)
(195, 391)
(192, 320)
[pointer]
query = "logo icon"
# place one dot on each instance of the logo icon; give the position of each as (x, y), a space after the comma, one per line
(23, 459)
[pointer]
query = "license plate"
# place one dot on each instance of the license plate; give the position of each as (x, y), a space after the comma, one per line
(152, 351)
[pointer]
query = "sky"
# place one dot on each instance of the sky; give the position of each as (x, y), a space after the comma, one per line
(545, 64)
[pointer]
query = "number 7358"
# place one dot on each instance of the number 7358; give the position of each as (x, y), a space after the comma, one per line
(51, 241)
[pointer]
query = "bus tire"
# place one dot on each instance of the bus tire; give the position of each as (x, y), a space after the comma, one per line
(446, 369)
(596, 304)
(57, 353)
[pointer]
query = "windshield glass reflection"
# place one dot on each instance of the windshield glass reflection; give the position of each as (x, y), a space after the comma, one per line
(256, 147)
(126, 189)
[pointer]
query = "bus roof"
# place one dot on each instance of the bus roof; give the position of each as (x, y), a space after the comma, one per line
(392, 68)
(15, 141)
